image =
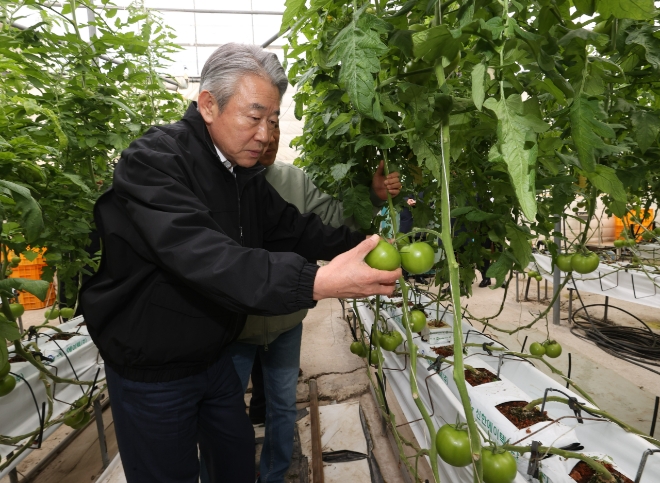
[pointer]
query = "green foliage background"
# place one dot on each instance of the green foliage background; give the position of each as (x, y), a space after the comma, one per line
(66, 113)
(537, 96)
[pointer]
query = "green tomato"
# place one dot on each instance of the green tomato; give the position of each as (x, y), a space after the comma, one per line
(388, 342)
(417, 258)
(53, 313)
(553, 349)
(16, 310)
(585, 263)
(15, 262)
(82, 402)
(564, 262)
(83, 421)
(417, 320)
(397, 335)
(373, 358)
(532, 273)
(619, 243)
(536, 349)
(648, 236)
(538, 278)
(67, 313)
(657, 230)
(453, 445)
(7, 385)
(74, 418)
(383, 257)
(498, 467)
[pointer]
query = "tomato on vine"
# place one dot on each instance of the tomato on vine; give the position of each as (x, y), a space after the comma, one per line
(499, 466)
(453, 445)
(359, 349)
(536, 349)
(375, 358)
(585, 262)
(564, 262)
(383, 257)
(7, 385)
(16, 310)
(67, 313)
(388, 342)
(553, 349)
(417, 320)
(417, 258)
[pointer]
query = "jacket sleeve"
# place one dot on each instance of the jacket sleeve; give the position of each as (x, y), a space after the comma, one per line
(185, 240)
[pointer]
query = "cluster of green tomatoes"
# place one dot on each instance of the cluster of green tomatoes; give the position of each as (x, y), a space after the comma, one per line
(389, 341)
(453, 444)
(583, 262)
(77, 417)
(415, 258)
(549, 348)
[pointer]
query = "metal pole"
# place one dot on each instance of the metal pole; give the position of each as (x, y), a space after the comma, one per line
(517, 288)
(607, 300)
(556, 282)
(570, 306)
(13, 476)
(98, 415)
(317, 449)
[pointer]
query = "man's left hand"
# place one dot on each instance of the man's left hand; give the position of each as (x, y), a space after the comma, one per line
(383, 185)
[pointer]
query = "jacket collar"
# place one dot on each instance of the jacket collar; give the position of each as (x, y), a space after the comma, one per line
(196, 121)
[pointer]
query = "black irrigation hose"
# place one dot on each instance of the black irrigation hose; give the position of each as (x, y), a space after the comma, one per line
(637, 345)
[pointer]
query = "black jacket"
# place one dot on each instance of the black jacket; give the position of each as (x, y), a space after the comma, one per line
(189, 250)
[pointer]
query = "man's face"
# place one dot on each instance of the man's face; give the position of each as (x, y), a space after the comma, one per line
(242, 131)
(271, 151)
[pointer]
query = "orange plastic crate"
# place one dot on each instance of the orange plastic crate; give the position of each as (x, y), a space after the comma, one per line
(32, 270)
(30, 302)
(619, 224)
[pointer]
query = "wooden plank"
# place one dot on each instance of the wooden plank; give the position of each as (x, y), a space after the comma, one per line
(317, 456)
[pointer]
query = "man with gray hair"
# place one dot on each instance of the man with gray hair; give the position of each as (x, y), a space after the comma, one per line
(194, 239)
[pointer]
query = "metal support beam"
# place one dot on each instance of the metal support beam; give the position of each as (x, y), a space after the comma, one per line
(556, 282)
(317, 449)
(100, 428)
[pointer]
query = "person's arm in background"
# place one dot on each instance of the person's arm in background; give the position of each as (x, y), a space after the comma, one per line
(296, 187)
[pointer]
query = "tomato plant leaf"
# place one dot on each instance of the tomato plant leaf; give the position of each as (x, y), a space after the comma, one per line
(587, 130)
(500, 269)
(478, 93)
(357, 204)
(519, 240)
(605, 179)
(340, 125)
(357, 47)
(647, 127)
(340, 170)
(38, 288)
(644, 37)
(9, 331)
(514, 131)
(435, 42)
(632, 9)
(381, 141)
(30, 211)
(426, 156)
(293, 8)
(585, 7)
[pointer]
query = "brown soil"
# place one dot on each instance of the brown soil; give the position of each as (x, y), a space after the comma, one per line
(437, 324)
(513, 411)
(16, 358)
(477, 377)
(63, 336)
(400, 304)
(583, 473)
(445, 351)
(81, 324)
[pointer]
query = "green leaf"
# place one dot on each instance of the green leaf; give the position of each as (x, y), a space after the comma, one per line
(644, 37)
(38, 288)
(514, 132)
(520, 245)
(30, 211)
(587, 130)
(381, 141)
(632, 9)
(432, 43)
(357, 47)
(585, 7)
(402, 40)
(357, 203)
(461, 211)
(647, 127)
(340, 125)
(605, 179)
(8, 330)
(500, 269)
(339, 171)
(425, 155)
(292, 8)
(478, 77)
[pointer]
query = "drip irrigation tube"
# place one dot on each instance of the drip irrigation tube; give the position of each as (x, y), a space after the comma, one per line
(637, 345)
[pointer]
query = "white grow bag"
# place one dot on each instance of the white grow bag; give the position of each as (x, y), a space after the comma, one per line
(19, 414)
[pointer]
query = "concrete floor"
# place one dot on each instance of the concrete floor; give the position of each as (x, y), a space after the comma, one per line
(625, 390)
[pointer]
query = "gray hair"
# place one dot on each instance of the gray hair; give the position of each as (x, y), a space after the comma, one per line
(225, 67)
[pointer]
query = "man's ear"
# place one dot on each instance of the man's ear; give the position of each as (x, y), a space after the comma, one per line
(207, 106)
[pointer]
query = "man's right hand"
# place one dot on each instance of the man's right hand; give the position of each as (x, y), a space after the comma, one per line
(348, 276)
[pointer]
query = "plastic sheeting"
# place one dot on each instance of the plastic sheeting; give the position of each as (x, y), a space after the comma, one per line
(612, 280)
(20, 412)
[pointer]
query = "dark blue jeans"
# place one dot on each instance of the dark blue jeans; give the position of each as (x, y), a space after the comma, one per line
(160, 425)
